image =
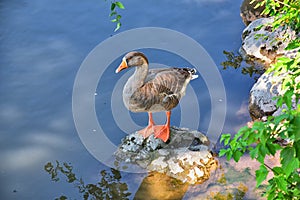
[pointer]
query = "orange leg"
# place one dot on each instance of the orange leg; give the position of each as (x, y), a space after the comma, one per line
(163, 131)
(149, 129)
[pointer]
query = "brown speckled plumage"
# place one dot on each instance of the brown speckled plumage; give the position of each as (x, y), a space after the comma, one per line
(163, 87)
(158, 90)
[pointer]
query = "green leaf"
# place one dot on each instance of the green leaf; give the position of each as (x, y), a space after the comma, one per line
(118, 26)
(277, 170)
(257, 126)
(271, 147)
(222, 152)
(228, 155)
(118, 17)
(262, 150)
(281, 183)
(297, 149)
(120, 5)
(293, 44)
(237, 155)
(112, 6)
(286, 156)
(271, 195)
(261, 175)
(260, 158)
(296, 132)
(291, 166)
(233, 143)
(225, 138)
(253, 153)
(263, 137)
(281, 117)
(112, 14)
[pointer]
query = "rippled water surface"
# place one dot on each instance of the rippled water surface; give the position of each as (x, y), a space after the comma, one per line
(43, 44)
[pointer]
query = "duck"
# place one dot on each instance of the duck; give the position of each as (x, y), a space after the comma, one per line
(153, 90)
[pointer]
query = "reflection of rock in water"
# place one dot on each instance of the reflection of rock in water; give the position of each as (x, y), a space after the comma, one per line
(174, 158)
(160, 186)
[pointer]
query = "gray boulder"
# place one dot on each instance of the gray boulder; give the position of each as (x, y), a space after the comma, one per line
(261, 103)
(185, 157)
(264, 50)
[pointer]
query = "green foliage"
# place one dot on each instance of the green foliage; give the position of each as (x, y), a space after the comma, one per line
(114, 15)
(109, 187)
(262, 138)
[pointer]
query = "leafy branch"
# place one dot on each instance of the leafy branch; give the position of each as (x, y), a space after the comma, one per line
(114, 15)
(262, 138)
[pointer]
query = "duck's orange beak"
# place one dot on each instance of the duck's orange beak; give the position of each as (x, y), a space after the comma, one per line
(122, 66)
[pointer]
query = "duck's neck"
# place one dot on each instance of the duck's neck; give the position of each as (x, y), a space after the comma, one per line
(140, 75)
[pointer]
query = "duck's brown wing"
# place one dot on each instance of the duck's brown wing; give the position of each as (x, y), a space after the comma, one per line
(162, 90)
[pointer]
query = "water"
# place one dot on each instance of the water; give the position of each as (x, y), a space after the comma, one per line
(43, 44)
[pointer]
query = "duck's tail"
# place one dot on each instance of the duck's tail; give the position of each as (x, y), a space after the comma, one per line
(193, 72)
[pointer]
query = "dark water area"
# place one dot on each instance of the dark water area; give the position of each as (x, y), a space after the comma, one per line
(43, 44)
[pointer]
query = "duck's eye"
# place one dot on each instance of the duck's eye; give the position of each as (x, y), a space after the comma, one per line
(125, 60)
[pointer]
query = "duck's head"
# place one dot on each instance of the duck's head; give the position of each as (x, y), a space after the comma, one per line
(132, 59)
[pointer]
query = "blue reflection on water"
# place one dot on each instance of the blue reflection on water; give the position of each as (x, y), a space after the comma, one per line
(43, 43)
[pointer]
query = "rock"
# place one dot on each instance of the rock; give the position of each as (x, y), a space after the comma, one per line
(261, 103)
(261, 94)
(264, 50)
(249, 13)
(196, 145)
(173, 158)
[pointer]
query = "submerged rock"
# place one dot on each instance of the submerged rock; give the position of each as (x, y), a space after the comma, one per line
(271, 45)
(173, 158)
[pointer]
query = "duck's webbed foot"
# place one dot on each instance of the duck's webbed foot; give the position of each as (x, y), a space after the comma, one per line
(162, 132)
(146, 131)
